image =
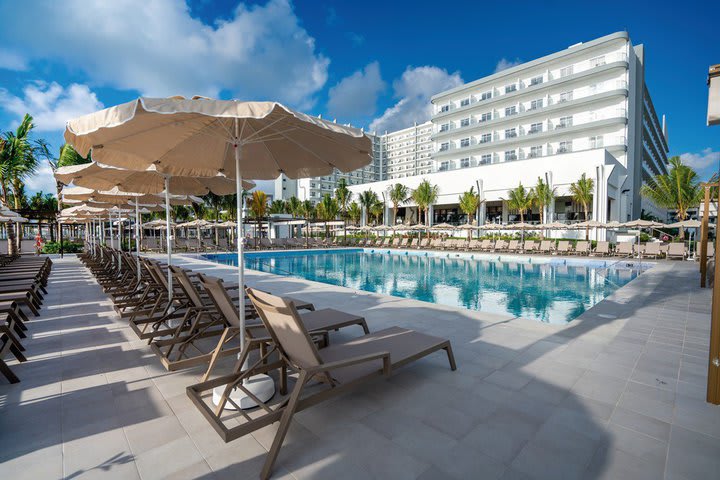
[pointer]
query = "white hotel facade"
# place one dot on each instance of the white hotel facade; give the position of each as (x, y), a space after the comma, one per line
(583, 110)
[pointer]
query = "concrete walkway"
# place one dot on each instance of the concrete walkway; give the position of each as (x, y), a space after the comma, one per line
(617, 394)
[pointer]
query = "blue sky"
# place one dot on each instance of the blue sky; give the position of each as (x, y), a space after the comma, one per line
(372, 64)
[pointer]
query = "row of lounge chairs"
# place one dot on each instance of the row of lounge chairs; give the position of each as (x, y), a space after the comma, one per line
(547, 247)
(289, 339)
(22, 284)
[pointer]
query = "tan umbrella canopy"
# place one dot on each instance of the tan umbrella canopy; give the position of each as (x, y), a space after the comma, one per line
(158, 224)
(106, 178)
(588, 224)
(195, 223)
(520, 226)
(204, 138)
(686, 224)
(555, 226)
(71, 194)
(442, 226)
(642, 224)
(466, 226)
(613, 224)
(227, 224)
(188, 137)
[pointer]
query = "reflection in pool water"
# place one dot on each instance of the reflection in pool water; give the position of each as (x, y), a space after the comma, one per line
(549, 290)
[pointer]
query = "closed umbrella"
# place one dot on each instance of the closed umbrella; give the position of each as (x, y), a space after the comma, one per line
(205, 137)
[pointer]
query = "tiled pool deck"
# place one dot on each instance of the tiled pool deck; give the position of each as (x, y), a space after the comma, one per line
(617, 394)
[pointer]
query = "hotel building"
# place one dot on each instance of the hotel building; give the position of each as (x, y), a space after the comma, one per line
(583, 110)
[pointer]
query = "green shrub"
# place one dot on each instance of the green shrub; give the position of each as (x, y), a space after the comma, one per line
(68, 247)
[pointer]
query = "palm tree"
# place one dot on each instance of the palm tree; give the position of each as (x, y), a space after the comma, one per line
(469, 202)
(258, 204)
(543, 196)
(376, 210)
(67, 156)
(18, 161)
(343, 195)
(327, 210)
(294, 206)
(277, 206)
(677, 190)
(354, 212)
(308, 210)
(368, 198)
(582, 193)
(520, 199)
(398, 194)
(424, 196)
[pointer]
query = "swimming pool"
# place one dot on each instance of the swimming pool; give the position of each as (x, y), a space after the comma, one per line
(552, 290)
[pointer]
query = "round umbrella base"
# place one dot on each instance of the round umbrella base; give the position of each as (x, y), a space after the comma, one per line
(262, 386)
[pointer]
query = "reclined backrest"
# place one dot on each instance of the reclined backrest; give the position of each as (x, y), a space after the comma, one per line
(186, 285)
(287, 330)
(220, 298)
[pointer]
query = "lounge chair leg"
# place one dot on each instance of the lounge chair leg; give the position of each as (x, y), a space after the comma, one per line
(451, 357)
(284, 426)
(5, 370)
(365, 327)
(215, 355)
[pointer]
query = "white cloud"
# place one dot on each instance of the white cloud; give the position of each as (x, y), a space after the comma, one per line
(42, 181)
(356, 95)
(413, 91)
(700, 161)
(504, 64)
(51, 105)
(12, 61)
(158, 48)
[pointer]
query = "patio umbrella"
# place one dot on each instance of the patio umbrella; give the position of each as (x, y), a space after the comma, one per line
(467, 226)
(443, 226)
(686, 224)
(205, 137)
(146, 181)
(613, 224)
(198, 224)
(640, 224)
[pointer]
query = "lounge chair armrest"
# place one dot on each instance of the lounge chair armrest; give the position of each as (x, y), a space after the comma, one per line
(384, 356)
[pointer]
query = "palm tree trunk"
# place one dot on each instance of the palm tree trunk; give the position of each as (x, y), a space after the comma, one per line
(587, 229)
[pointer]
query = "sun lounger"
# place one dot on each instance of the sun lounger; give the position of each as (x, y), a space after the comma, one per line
(486, 245)
(582, 248)
(9, 344)
(424, 243)
(333, 370)
(501, 246)
(651, 250)
(677, 251)
(323, 320)
(514, 246)
(546, 246)
(564, 247)
(624, 249)
(530, 246)
(602, 248)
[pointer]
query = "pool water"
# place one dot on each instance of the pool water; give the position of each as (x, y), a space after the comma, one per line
(552, 290)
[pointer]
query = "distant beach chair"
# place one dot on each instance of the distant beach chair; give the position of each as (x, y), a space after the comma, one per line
(564, 247)
(582, 248)
(677, 251)
(624, 249)
(602, 248)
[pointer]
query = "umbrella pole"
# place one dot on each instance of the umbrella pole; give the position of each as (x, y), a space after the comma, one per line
(120, 229)
(112, 239)
(137, 238)
(167, 235)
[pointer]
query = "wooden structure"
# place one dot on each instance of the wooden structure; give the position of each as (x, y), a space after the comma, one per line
(713, 385)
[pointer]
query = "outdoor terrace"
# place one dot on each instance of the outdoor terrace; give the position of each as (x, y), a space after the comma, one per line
(617, 393)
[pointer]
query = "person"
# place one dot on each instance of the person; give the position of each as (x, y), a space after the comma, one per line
(39, 241)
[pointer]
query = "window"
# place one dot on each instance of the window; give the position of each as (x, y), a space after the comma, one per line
(536, 80)
(486, 96)
(464, 162)
(486, 159)
(444, 127)
(486, 116)
(444, 146)
(465, 122)
(464, 102)
(465, 142)
(510, 133)
(565, 147)
(444, 166)
(510, 111)
(486, 138)
(597, 61)
(535, 104)
(566, 97)
(510, 155)
(596, 142)
(536, 127)
(445, 108)
(566, 72)
(536, 151)
(510, 88)
(565, 122)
